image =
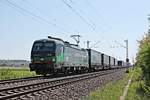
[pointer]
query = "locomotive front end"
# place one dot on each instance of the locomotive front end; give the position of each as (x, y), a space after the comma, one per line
(43, 57)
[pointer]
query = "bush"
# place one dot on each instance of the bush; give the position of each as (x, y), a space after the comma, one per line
(143, 61)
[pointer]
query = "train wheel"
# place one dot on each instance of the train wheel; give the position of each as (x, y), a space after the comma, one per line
(44, 75)
(55, 73)
(66, 73)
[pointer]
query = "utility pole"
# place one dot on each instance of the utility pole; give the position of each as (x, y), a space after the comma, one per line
(127, 51)
(149, 23)
(133, 61)
(76, 38)
(88, 44)
(126, 47)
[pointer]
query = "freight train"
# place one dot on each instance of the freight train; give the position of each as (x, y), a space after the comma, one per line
(53, 56)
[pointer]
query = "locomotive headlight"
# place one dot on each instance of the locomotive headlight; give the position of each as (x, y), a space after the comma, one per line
(42, 59)
(53, 59)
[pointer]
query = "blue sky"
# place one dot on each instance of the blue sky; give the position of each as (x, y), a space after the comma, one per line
(112, 20)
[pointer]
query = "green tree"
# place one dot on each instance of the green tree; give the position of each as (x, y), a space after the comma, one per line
(143, 61)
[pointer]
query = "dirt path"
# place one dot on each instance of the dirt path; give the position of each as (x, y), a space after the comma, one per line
(126, 88)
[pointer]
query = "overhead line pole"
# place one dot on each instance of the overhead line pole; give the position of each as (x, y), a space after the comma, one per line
(127, 49)
(88, 44)
(149, 23)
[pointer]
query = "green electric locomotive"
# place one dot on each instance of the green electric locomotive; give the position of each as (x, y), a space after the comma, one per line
(53, 56)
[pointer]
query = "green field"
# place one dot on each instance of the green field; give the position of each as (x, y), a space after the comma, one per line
(14, 72)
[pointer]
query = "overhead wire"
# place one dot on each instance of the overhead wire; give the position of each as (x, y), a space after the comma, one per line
(36, 8)
(15, 9)
(78, 14)
(99, 16)
(94, 24)
(82, 12)
(34, 15)
(91, 22)
(88, 19)
(97, 13)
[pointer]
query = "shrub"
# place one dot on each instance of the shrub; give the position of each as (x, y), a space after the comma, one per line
(143, 61)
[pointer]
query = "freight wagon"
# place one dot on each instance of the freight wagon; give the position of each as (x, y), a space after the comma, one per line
(95, 60)
(105, 61)
(112, 62)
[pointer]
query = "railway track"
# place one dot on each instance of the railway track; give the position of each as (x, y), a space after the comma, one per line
(19, 79)
(28, 80)
(31, 87)
(16, 82)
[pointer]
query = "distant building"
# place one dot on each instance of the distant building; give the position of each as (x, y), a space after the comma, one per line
(14, 63)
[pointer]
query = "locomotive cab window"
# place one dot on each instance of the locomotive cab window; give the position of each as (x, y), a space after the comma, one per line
(37, 46)
(48, 46)
(43, 46)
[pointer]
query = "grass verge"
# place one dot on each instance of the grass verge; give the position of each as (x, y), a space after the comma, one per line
(135, 91)
(111, 91)
(12, 73)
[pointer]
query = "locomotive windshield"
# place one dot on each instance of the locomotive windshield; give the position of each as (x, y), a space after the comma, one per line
(43, 46)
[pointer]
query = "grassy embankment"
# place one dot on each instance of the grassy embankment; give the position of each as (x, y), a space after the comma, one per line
(113, 90)
(13, 72)
(135, 91)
